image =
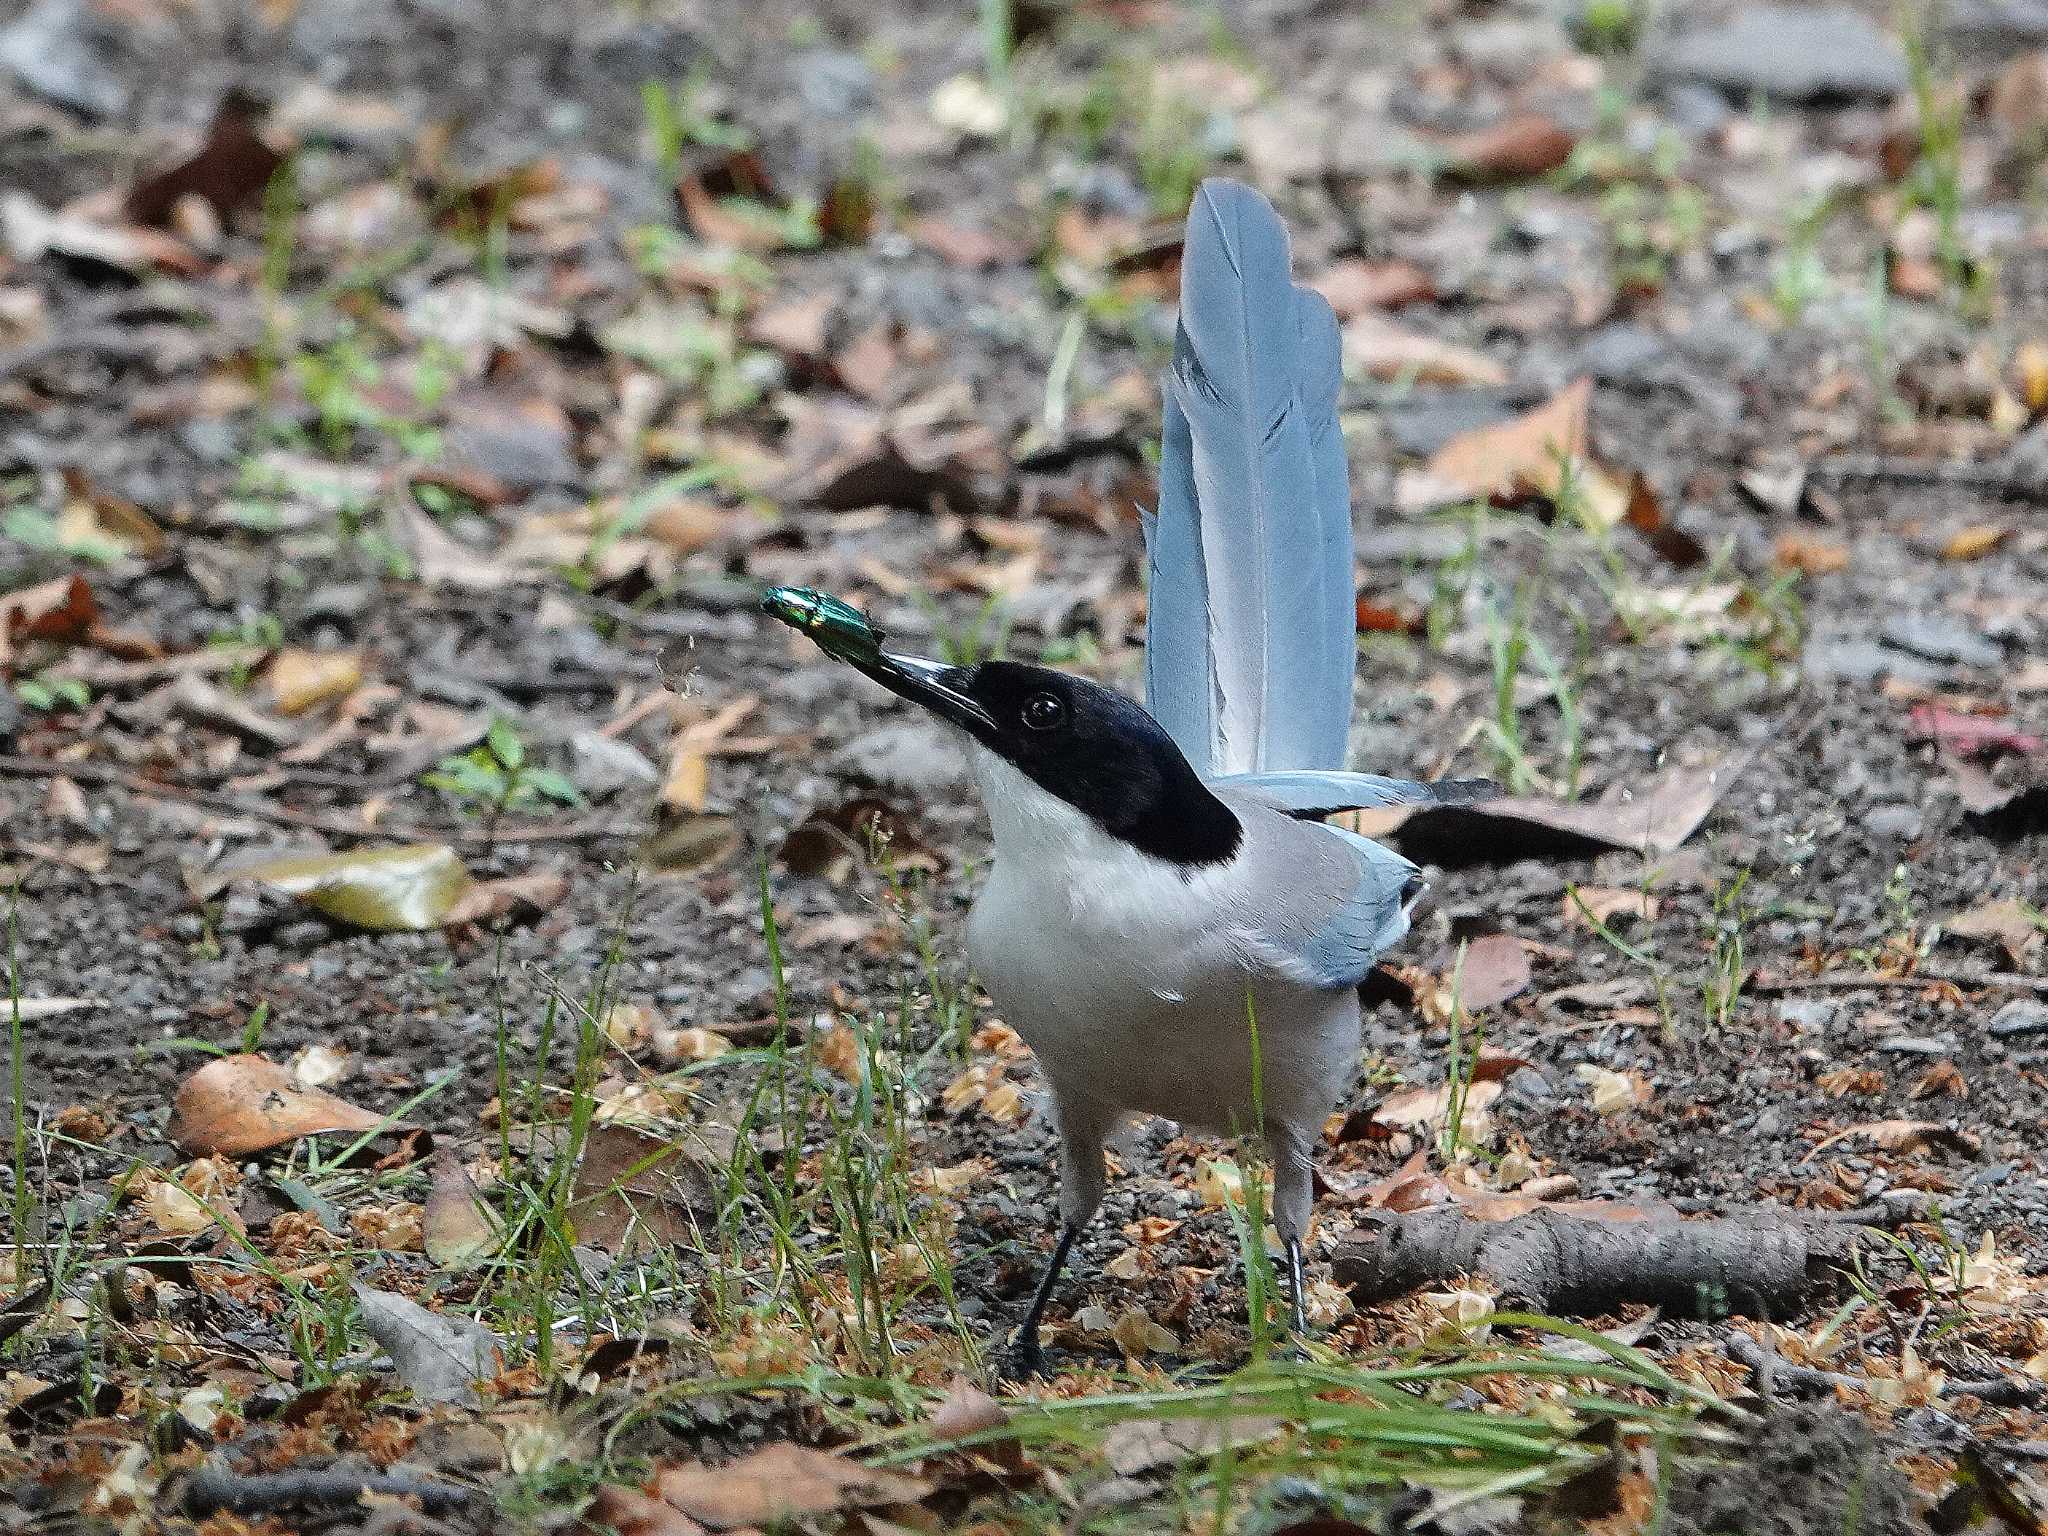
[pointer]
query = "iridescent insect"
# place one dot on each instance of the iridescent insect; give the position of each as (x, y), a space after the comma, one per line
(840, 629)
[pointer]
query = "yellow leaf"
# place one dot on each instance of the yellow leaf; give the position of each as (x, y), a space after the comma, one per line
(2030, 368)
(301, 679)
(1975, 541)
(1613, 1091)
(1219, 1182)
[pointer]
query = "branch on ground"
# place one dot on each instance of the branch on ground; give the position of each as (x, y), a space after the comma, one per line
(1756, 1265)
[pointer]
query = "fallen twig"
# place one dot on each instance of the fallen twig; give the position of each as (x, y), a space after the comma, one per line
(1858, 981)
(1772, 1370)
(1754, 1265)
(214, 1487)
(2000, 477)
(590, 829)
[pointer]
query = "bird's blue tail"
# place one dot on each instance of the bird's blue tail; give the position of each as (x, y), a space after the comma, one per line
(1251, 635)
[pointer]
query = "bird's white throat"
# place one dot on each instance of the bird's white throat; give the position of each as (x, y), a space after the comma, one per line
(1041, 836)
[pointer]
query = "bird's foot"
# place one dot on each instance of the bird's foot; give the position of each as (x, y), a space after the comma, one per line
(1019, 1360)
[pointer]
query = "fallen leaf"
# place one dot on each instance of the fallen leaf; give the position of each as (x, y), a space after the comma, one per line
(457, 1229)
(687, 786)
(1375, 346)
(2019, 97)
(1945, 1080)
(1656, 819)
(1808, 555)
(1612, 1091)
(1518, 148)
(176, 1211)
(1460, 1314)
(635, 1188)
(1974, 541)
(2008, 923)
(840, 1053)
(229, 171)
(797, 328)
(1138, 1446)
(1137, 1335)
(30, 231)
(1646, 516)
(437, 1357)
(412, 887)
(2030, 371)
(236, 1105)
(962, 246)
(516, 898)
(1586, 905)
(1968, 735)
(318, 1065)
(1495, 968)
(1353, 286)
(688, 844)
(629, 1512)
(687, 1045)
(1534, 455)
(298, 679)
(780, 1484)
(1902, 1136)
(61, 610)
(969, 107)
(966, 1410)
(1219, 1182)
(215, 707)
(1427, 1108)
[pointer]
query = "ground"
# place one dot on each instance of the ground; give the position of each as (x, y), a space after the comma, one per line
(401, 408)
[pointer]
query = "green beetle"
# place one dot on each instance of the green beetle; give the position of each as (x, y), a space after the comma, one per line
(841, 630)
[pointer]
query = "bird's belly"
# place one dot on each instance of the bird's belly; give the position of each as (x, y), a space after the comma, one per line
(1142, 1017)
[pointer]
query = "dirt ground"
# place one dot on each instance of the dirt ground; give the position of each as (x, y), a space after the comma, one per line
(478, 400)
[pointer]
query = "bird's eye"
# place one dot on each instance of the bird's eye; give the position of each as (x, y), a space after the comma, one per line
(1044, 712)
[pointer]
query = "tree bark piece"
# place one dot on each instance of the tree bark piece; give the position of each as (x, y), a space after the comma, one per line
(1755, 1266)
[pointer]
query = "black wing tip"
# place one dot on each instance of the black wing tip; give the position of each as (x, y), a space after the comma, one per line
(1462, 791)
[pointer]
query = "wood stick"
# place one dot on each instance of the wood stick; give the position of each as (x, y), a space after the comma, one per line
(589, 829)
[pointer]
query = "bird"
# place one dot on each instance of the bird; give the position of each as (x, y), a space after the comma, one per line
(1169, 922)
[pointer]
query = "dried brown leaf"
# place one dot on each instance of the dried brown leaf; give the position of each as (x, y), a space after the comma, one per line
(2008, 923)
(457, 1229)
(1495, 968)
(229, 171)
(1657, 819)
(1587, 904)
(634, 1187)
(236, 1105)
(779, 1484)
(1518, 148)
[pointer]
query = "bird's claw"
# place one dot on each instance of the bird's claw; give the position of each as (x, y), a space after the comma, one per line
(1021, 1359)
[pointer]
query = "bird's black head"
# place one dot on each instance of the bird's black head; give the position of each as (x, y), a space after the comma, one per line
(1088, 745)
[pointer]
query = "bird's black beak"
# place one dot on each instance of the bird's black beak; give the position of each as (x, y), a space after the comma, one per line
(937, 687)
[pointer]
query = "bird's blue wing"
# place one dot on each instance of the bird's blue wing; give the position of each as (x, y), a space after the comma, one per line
(1250, 639)
(1372, 919)
(1320, 792)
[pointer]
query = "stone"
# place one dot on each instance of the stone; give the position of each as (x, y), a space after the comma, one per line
(2021, 1016)
(602, 765)
(1937, 637)
(1789, 53)
(58, 49)
(834, 84)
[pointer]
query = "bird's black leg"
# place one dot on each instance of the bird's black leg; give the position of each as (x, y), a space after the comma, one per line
(1025, 1350)
(1294, 1282)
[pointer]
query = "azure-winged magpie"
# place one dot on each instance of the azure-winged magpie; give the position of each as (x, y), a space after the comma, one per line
(1169, 924)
